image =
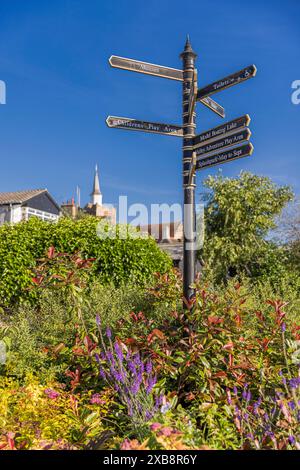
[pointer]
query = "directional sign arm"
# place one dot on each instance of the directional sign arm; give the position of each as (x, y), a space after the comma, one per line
(226, 156)
(145, 126)
(145, 67)
(227, 82)
(224, 142)
(213, 105)
(222, 130)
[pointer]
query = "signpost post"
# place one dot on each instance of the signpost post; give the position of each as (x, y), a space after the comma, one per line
(188, 57)
(216, 146)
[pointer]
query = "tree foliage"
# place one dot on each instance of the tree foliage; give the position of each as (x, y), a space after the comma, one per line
(240, 212)
(288, 233)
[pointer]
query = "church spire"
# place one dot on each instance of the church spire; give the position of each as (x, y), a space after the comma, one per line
(96, 194)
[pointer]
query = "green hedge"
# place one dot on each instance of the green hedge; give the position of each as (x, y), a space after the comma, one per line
(117, 260)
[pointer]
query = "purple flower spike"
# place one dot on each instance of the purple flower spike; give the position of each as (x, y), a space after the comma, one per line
(109, 357)
(98, 320)
(137, 359)
(135, 388)
(148, 367)
(119, 351)
(292, 405)
(283, 327)
(294, 383)
(131, 366)
(150, 385)
(292, 440)
(97, 358)
(108, 332)
(118, 376)
(130, 376)
(158, 400)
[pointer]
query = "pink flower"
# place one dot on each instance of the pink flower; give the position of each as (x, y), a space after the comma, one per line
(96, 399)
(155, 426)
(126, 445)
(166, 431)
(52, 394)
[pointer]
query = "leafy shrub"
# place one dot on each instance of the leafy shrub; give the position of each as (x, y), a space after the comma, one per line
(35, 416)
(231, 339)
(38, 337)
(117, 260)
(222, 343)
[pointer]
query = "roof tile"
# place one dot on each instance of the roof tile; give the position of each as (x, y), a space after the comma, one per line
(18, 197)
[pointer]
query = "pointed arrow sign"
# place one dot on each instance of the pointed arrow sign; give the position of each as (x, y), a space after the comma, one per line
(221, 130)
(228, 155)
(145, 67)
(220, 144)
(214, 106)
(227, 82)
(136, 125)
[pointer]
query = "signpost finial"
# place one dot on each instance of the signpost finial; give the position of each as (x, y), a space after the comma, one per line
(188, 48)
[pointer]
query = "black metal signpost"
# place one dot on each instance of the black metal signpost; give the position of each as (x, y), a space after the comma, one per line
(213, 147)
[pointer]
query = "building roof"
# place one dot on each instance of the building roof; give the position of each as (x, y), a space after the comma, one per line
(18, 197)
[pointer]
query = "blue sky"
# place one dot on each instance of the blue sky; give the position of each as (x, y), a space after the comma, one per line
(60, 88)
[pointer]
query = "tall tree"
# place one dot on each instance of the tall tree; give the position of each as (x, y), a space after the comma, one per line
(288, 232)
(239, 214)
